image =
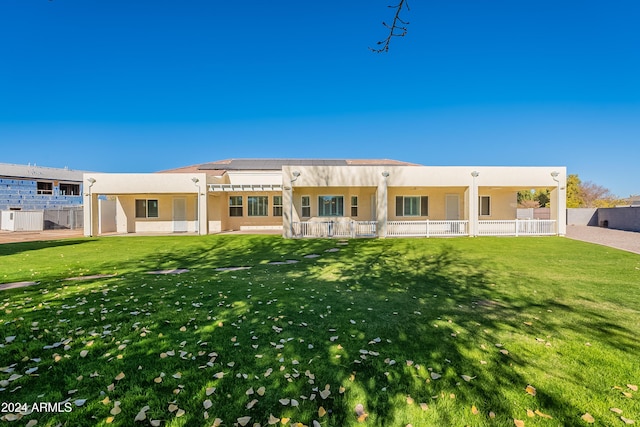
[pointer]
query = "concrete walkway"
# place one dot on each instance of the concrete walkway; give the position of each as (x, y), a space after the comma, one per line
(625, 240)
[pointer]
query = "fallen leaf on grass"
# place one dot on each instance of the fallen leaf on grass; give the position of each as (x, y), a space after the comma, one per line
(252, 403)
(210, 391)
(518, 423)
(120, 376)
(530, 413)
(243, 421)
(261, 391)
(207, 404)
(543, 415)
(467, 378)
(588, 418)
(633, 387)
(322, 412)
(362, 415)
(616, 410)
(273, 420)
(531, 390)
(627, 420)
(474, 410)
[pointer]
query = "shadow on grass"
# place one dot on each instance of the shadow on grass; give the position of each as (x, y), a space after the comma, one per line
(396, 323)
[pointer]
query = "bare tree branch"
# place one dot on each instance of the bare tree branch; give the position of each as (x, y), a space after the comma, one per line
(397, 29)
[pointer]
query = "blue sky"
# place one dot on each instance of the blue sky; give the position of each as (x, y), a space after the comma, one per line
(142, 86)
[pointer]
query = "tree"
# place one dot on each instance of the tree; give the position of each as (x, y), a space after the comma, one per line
(533, 198)
(398, 28)
(573, 191)
(588, 194)
(596, 196)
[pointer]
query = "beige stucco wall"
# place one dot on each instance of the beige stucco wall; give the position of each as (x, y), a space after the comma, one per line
(503, 203)
(437, 202)
(164, 187)
(128, 223)
(366, 201)
(219, 219)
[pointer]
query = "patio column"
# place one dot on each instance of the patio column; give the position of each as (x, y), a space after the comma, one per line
(472, 204)
(558, 198)
(381, 205)
(90, 202)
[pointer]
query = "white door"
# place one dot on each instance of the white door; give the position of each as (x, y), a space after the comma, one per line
(179, 215)
(453, 207)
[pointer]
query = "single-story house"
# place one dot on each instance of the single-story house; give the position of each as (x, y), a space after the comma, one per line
(323, 198)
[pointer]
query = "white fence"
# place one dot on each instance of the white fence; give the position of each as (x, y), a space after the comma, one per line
(518, 227)
(427, 228)
(335, 229)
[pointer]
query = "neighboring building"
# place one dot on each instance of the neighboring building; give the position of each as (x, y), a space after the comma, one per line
(37, 188)
(323, 198)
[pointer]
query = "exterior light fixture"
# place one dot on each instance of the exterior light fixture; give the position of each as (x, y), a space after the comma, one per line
(554, 175)
(475, 174)
(385, 174)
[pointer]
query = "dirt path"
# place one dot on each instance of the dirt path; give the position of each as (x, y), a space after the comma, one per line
(33, 236)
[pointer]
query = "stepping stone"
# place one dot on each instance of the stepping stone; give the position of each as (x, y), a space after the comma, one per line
(14, 285)
(95, 276)
(333, 250)
(174, 271)
(232, 268)
(289, 261)
(311, 256)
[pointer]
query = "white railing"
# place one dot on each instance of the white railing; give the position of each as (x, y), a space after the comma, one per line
(517, 227)
(335, 229)
(428, 228)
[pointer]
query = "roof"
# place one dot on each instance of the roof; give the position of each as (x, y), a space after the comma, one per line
(220, 167)
(39, 172)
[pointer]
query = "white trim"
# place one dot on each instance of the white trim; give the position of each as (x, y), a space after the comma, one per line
(244, 187)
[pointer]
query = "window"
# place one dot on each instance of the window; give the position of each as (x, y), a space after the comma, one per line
(330, 206)
(45, 188)
(412, 206)
(354, 205)
(146, 208)
(257, 205)
(306, 206)
(484, 205)
(70, 189)
(235, 205)
(277, 205)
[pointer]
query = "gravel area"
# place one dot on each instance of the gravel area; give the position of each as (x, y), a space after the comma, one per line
(625, 240)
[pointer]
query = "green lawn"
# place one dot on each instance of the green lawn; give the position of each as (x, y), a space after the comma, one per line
(427, 332)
